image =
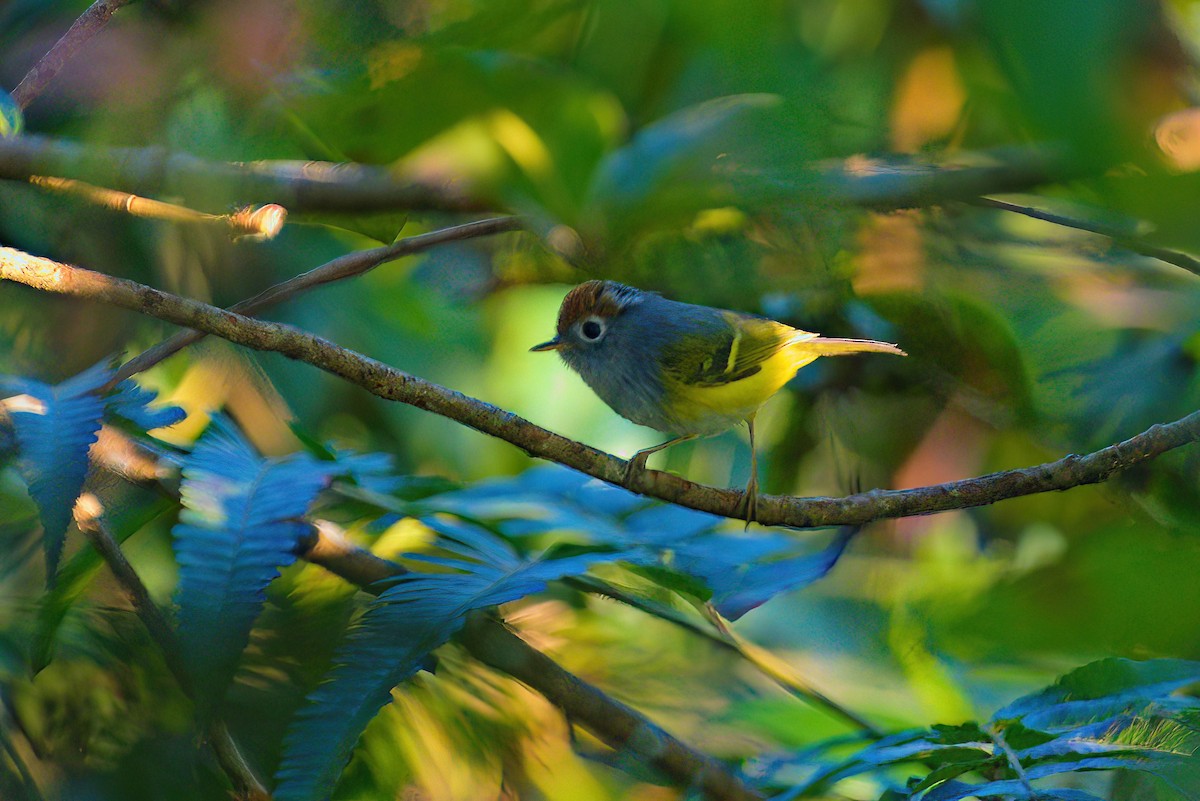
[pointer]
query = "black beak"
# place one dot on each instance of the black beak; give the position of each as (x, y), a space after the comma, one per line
(554, 344)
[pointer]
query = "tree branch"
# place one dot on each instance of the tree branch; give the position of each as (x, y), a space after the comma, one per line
(392, 384)
(89, 23)
(884, 186)
(491, 642)
(325, 186)
(1120, 238)
(347, 266)
(295, 185)
(89, 518)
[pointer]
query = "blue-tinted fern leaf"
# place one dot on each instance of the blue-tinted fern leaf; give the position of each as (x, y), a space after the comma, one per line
(964, 745)
(241, 522)
(131, 402)
(1114, 714)
(1010, 789)
(739, 585)
(1098, 686)
(54, 426)
(412, 617)
(736, 572)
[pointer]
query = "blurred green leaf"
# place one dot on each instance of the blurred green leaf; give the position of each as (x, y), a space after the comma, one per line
(746, 151)
(1069, 69)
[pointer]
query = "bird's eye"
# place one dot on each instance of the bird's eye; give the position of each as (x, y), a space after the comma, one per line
(592, 329)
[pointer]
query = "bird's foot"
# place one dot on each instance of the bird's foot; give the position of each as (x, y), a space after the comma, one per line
(634, 469)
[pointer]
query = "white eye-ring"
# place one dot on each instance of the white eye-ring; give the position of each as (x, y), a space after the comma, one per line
(592, 328)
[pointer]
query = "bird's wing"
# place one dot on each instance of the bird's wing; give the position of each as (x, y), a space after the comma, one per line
(735, 347)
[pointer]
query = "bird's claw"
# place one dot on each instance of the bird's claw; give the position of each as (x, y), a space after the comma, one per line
(634, 469)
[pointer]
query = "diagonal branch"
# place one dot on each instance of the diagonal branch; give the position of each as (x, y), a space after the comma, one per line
(491, 642)
(347, 266)
(760, 658)
(392, 384)
(1120, 238)
(90, 23)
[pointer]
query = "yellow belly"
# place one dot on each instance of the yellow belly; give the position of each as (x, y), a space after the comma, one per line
(710, 409)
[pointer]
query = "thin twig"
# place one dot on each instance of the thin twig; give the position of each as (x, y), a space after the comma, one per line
(1014, 761)
(89, 518)
(392, 384)
(492, 643)
(1119, 237)
(89, 23)
(760, 658)
(261, 222)
(347, 266)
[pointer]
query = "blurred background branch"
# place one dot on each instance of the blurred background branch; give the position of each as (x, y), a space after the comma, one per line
(490, 641)
(264, 221)
(81, 31)
(347, 266)
(348, 187)
(299, 186)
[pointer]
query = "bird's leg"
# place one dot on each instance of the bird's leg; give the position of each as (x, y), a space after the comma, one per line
(751, 496)
(637, 463)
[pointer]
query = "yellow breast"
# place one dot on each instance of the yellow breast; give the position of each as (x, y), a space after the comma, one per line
(708, 409)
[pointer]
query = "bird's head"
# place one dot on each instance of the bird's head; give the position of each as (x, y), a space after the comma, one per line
(587, 315)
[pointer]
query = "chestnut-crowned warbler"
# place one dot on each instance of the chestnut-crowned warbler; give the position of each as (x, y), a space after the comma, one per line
(682, 369)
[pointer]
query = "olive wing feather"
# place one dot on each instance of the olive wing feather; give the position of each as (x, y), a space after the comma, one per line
(732, 349)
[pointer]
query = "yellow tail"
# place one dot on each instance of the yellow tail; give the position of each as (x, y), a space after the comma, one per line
(821, 346)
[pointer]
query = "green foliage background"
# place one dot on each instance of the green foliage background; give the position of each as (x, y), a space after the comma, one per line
(601, 121)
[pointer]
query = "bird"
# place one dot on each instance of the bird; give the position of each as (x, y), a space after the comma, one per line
(685, 370)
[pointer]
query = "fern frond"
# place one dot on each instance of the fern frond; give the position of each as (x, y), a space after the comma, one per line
(54, 427)
(240, 524)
